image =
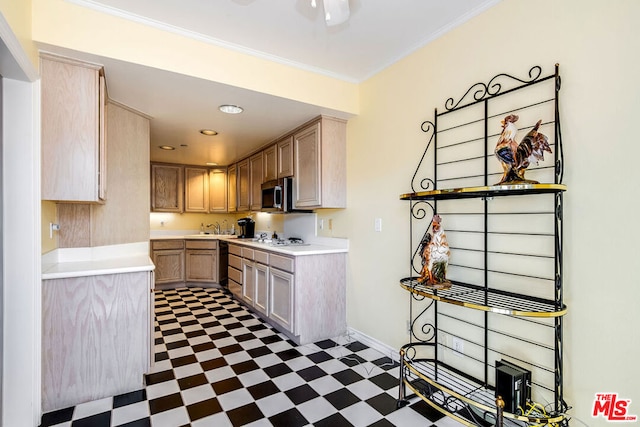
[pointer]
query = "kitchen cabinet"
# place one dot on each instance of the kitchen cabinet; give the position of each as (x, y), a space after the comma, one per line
(235, 270)
(196, 189)
(270, 166)
(303, 296)
(284, 153)
(320, 164)
(243, 172)
(232, 192)
(96, 337)
(503, 305)
(218, 190)
(281, 291)
(256, 171)
(201, 260)
(168, 257)
(167, 188)
(73, 130)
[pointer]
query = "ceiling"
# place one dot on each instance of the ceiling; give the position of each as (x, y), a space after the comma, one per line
(378, 33)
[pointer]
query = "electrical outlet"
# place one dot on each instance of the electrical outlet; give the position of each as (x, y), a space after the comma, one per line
(458, 346)
(409, 326)
(321, 224)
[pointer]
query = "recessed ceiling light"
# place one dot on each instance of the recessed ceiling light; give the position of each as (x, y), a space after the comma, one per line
(166, 147)
(230, 109)
(208, 132)
(211, 164)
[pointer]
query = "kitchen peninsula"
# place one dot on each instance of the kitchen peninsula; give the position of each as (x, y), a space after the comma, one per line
(96, 322)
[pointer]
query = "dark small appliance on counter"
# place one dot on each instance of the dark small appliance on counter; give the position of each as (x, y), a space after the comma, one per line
(247, 228)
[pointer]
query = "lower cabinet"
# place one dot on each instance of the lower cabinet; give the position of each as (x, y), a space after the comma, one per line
(168, 257)
(96, 337)
(201, 259)
(281, 298)
(179, 261)
(303, 296)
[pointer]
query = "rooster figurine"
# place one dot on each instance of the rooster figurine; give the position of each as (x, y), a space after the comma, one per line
(435, 257)
(515, 158)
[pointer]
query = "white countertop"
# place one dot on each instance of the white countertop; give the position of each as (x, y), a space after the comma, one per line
(319, 246)
(95, 261)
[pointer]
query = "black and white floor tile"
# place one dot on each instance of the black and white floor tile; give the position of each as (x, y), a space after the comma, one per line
(217, 364)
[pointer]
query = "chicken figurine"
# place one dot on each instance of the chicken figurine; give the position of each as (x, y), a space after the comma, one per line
(516, 157)
(435, 257)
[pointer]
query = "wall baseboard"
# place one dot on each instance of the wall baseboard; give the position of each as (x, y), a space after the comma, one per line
(373, 343)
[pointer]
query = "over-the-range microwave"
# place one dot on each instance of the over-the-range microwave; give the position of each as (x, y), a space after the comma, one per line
(277, 197)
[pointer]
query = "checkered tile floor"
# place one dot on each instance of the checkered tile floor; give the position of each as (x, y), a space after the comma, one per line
(217, 364)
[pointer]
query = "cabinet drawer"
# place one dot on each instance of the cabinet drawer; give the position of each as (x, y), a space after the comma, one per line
(236, 289)
(247, 253)
(235, 261)
(235, 275)
(281, 262)
(235, 249)
(167, 244)
(202, 244)
(261, 257)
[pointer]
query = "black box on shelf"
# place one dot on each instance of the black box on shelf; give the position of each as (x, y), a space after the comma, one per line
(513, 383)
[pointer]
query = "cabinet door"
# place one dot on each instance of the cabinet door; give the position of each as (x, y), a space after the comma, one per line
(244, 190)
(202, 266)
(167, 182)
(196, 189)
(281, 298)
(261, 297)
(218, 190)
(256, 179)
(232, 182)
(72, 130)
(285, 157)
(270, 167)
(248, 281)
(307, 154)
(169, 266)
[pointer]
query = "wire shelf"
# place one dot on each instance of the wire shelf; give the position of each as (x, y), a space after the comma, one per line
(491, 300)
(460, 397)
(486, 191)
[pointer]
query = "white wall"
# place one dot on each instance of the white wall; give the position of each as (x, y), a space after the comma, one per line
(595, 44)
(22, 313)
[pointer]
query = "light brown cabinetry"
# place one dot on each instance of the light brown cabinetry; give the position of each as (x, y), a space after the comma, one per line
(244, 185)
(304, 296)
(218, 190)
(96, 336)
(320, 164)
(232, 185)
(285, 156)
(168, 257)
(201, 259)
(167, 188)
(73, 130)
(270, 166)
(196, 189)
(256, 172)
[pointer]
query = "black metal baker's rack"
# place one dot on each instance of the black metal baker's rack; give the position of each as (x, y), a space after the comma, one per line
(506, 298)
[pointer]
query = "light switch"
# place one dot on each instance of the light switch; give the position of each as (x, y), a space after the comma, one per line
(378, 224)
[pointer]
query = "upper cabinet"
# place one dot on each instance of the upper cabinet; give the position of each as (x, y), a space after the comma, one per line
(167, 182)
(232, 185)
(319, 152)
(270, 164)
(284, 153)
(196, 189)
(218, 190)
(179, 188)
(256, 175)
(73, 130)
(244, 185)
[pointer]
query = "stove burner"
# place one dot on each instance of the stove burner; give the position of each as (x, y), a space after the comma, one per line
(292, 241)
